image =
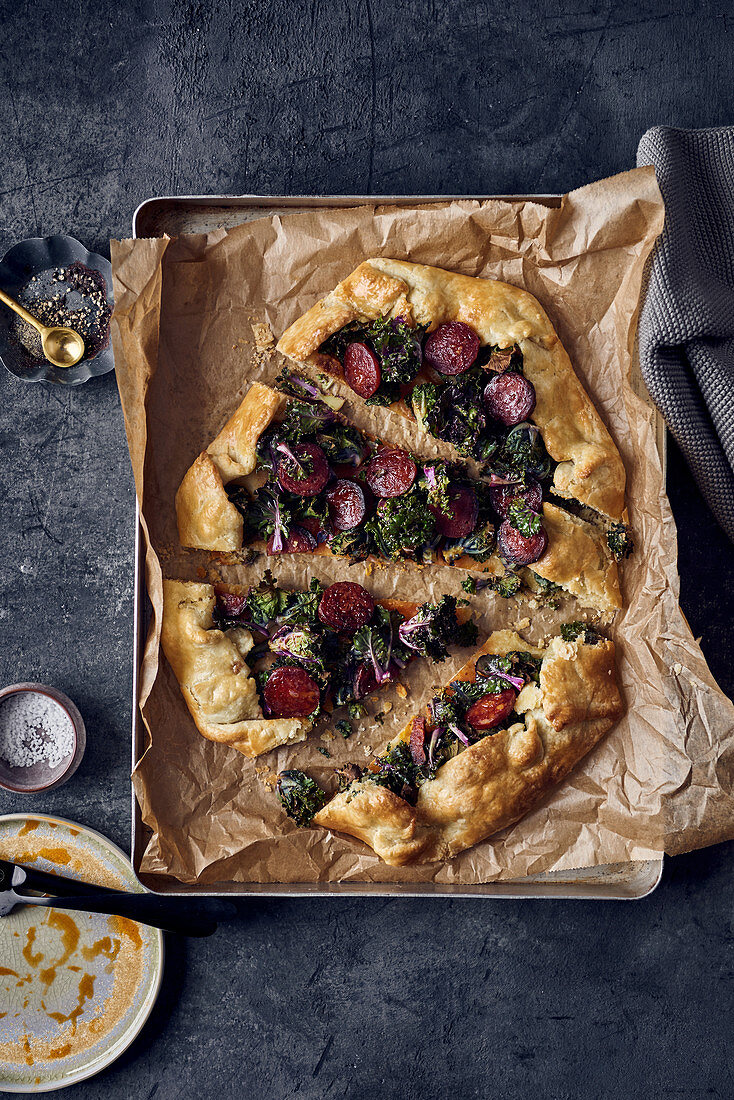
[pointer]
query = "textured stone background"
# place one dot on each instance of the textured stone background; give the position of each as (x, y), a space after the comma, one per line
(105, 104)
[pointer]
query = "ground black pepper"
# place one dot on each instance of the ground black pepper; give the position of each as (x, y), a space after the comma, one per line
(73, 296)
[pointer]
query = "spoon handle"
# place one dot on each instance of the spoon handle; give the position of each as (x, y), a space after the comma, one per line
(17, 308)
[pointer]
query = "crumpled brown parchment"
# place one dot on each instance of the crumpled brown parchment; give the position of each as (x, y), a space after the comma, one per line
(185, 354)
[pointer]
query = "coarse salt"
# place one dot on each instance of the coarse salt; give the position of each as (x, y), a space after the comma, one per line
(34, 729)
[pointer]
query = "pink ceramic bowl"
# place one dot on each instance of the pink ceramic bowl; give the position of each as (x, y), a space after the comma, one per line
(42, 775)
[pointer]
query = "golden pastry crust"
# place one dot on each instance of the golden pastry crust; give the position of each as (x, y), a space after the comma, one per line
(207, 519)
(497, 780)
(576, 557)
(589, 467)
(214, 677)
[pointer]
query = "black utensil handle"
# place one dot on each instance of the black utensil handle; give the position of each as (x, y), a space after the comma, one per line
(60, 886)
(189, 918)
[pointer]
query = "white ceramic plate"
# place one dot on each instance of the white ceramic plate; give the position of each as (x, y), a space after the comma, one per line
(75, 988)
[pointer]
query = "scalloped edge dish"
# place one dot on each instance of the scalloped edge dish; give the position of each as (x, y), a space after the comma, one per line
(19, 264)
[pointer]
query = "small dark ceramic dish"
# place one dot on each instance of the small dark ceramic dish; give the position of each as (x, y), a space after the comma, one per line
(38, 258)
(41, 776)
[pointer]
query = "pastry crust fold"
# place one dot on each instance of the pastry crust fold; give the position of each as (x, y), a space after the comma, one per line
(589, 467)
(214, 677)
(207, 519)
(498, 779)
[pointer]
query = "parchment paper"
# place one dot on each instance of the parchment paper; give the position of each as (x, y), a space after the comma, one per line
(185, 354)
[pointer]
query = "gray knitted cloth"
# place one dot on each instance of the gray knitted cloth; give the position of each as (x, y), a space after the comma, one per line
(687, 320)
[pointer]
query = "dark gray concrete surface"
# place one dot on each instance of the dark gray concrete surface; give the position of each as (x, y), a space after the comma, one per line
(103, 105)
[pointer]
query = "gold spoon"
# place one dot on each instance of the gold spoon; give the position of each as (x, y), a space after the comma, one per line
(62, 346)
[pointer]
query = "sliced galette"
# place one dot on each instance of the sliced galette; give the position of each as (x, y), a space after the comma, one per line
(491, 745)
(292, 475)
(475, 362)
(257, 666)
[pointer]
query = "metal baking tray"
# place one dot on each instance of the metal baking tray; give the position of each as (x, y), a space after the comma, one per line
(177, 214)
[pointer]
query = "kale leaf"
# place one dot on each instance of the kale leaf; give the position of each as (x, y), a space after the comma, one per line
(300, 796)
(524, 664)
(434, 628)
(402, 525)
(522, 517)
(479, 544)
(396, 770)
(303, 644)
(619, 539)
(506, 586)
(398, 347)
(373, 643)
(342, 445)
(524, 450)
(264, 515)
(436, 479)
(302, 607)
(424, 402)
(461, 419)
(349, 544)
(580, 630)
(265, 601)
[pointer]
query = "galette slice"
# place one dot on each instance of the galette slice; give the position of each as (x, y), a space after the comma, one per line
(475, 362)
(287, 475)
(490, 746)
(257, 666)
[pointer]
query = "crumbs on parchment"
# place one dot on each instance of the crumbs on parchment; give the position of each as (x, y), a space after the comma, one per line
(263, 335)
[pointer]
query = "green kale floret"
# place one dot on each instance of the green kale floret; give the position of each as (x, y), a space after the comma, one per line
(524, 450)
(402, 526)
(620, 542)
(265, 601)
(302, 419)
(302, 643)
(265, 514)
(398, 347)
(548, 591)
(302, 607)
(373, 644)
(434, 628)
(461, 419)
(570, 632)
(506, 586)
(349, 544)
(523, 518)
(525, 664)
(436, 480)
(396, 770)
(342, 445)
(300, 796)
(479, 543)
(424, 402)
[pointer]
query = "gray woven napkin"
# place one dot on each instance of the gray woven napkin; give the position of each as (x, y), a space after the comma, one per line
(687, 320)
